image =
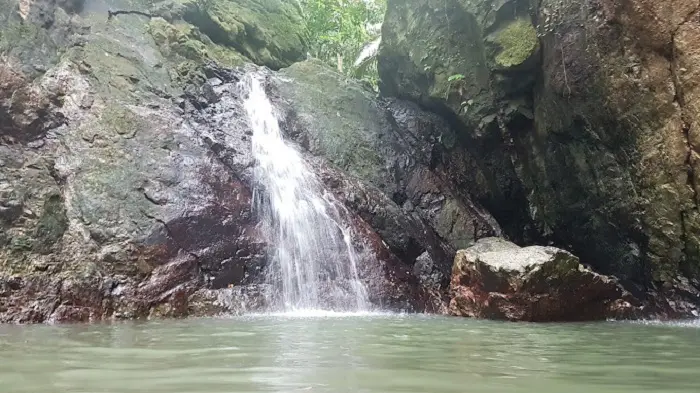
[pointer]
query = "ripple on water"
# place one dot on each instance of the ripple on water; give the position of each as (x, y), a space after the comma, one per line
(350, 352)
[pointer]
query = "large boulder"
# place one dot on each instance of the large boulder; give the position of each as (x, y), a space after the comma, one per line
(496, 279)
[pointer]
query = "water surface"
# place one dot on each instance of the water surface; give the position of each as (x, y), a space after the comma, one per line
(350, 353)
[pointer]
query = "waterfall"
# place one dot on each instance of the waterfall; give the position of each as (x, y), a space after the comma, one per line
(314, 259)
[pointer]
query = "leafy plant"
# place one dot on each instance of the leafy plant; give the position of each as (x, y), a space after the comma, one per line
(452, 79)
(345, 34)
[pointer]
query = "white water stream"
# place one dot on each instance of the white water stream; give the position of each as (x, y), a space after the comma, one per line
(314, 258)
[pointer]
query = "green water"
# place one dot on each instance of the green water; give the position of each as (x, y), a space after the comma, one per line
(350, 354)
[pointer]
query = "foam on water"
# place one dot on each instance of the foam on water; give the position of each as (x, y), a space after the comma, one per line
(694, 323)
(314, 258)
(324, 314)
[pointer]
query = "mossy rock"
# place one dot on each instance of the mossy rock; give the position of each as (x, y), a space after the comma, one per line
(269, 32)
(23, 40)
(517, 43)
(425, 46)
(186, 47)
(20, 244)
(186, 41)
(121, 59)
(351, 141)
(52, 224)
(121, 121)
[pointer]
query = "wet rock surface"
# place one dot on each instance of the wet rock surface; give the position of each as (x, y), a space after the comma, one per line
(113, 205)
(390, 149)
(496, 279)
(126, 179)
(389, 236)
(584, 140)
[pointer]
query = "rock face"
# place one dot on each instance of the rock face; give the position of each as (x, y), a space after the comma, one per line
(462, 59)
(496, 279)
(125, 184)
(126, 167)
(585, 136)
(268, 32)
(392, 146)
(112, 205)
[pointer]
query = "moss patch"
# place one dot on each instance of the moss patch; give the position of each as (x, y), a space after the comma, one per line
(121, 121)
(52, 224)
(518, 41)
(20, 244)
(186, 47)
(185, 41)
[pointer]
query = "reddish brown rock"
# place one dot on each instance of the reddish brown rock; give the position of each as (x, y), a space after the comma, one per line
(496, 279)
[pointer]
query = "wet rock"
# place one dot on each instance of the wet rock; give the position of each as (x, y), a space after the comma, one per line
(236, 300)
(390, 281)
(426, 271)
(392, 147)
(122, 210)
(496, 279)
(561, 153)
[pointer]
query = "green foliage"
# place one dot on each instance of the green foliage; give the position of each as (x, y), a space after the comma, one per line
(454, 79)
(339, 30)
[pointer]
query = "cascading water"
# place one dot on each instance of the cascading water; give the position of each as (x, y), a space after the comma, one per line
(313, 254)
